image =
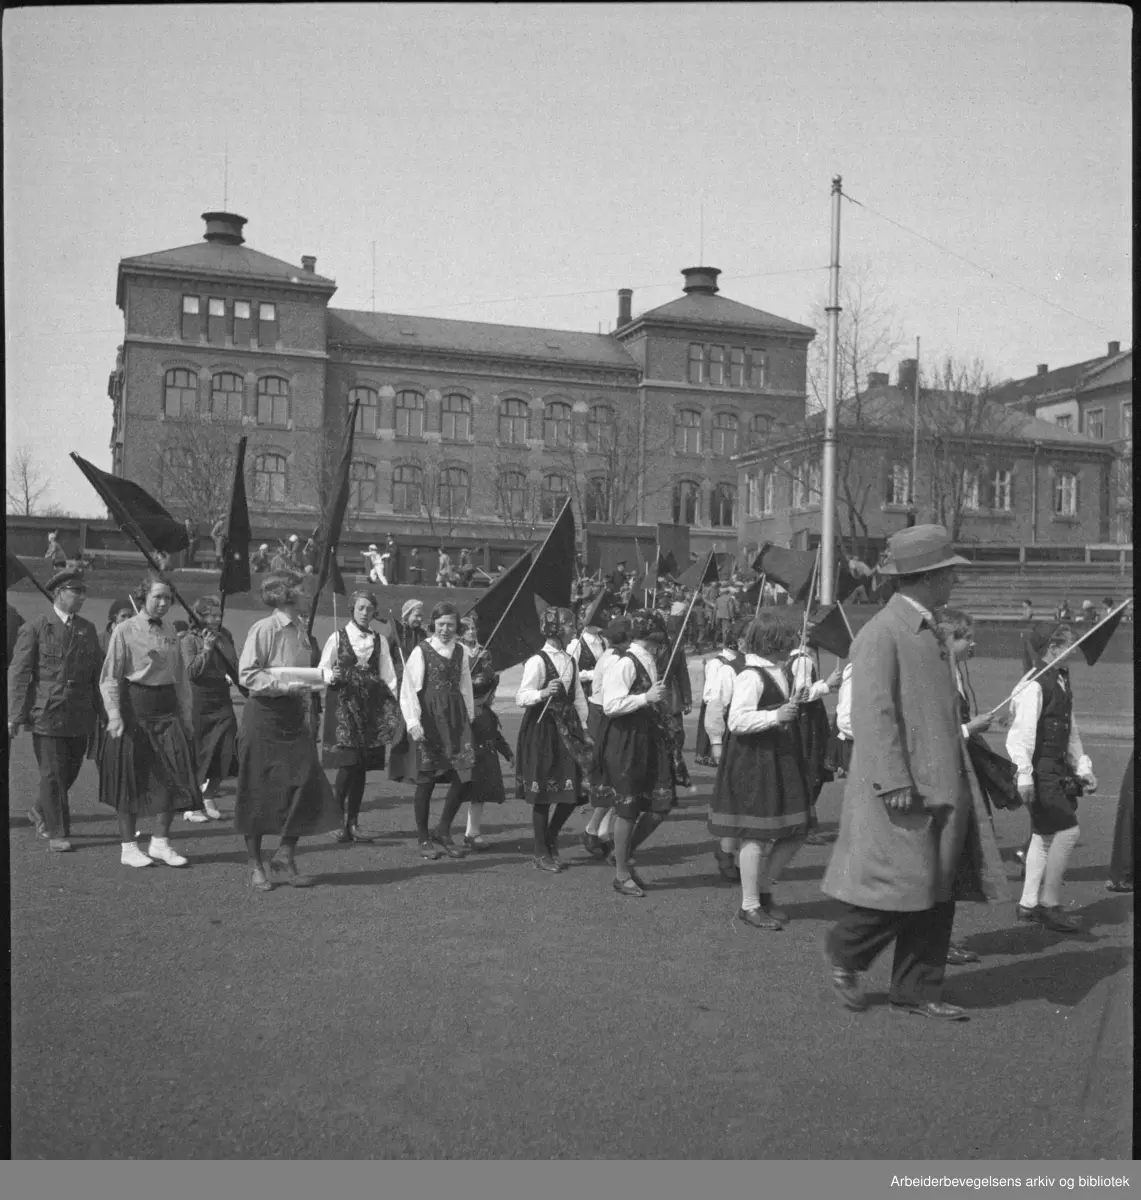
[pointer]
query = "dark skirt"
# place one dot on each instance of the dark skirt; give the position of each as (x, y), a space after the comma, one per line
(445, 747)
(1052, 810)
(381, 722)
(215, 731)
(762, 793)
(1121, 860)
(149, 769)
(552, 759)
(486, 783)
(815, 734)
(281, 786)
(997, 775)
(633, 764)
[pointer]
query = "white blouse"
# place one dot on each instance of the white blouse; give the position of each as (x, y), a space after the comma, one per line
(362, 642)
(414, 680)
(535, 672)
(619, 679)
(744, 716)
(717, 695)
(595, 645)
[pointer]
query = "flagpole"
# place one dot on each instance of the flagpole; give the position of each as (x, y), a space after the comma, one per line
(808, 602)
(1054, 662)
(847, 623)
(239, 466)
(760, 594)
(681, 631)
(328, 550)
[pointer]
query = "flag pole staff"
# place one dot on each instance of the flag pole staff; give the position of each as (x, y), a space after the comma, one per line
(1065, 653)
(760, 594)
(688, 612)
(828, 465)
(328, 551)
(239, 466)
(808, 603)
(136, 535)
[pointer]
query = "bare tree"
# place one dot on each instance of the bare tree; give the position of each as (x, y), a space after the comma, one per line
(27, 483)
(197, 470)
(508, 466)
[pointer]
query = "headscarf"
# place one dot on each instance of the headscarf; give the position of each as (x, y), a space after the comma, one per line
(409, 607)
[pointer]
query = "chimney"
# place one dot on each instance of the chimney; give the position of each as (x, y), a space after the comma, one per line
(1114, 348)
(906, 376)
(877, 379)
(225, 228)
(1043, 368)
(701, 280)
(309, 263)
(625, 298)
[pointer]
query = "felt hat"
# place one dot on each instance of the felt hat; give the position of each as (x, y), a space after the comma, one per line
(920, 548)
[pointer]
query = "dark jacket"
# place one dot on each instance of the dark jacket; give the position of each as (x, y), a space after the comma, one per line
(53, 679)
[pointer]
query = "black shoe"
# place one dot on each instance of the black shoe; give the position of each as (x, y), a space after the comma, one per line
(636, 877)
(1114, 885)
(820, 838)
(959, 956)
(1028, 916)
(444, 841)
(553, 854)
(936, 1009)
(777, 914)
(341, 835)
(476, 843)
(758, 919)
(846, 985)
(545, 863)
(595, 846)
(627, 887)
(1056, 920)
(428, 850)
(38, 822)
(356, 834)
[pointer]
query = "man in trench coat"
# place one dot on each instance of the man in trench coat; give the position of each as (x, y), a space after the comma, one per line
(907, 802)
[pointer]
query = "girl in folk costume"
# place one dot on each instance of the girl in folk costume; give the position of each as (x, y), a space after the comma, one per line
(438, 706)
(721, 672)
(678, 701)
(486, 783)
(1044, 744)
(147, 765)
(362, 714)
(596, 836)
(634, 752)
(281, 787)
(762, 793)
(815, 726)
(211, 664)
(586, 650)
(553, 756)
(406, 634)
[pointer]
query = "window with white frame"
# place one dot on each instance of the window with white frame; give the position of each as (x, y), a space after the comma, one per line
(1065, 494)
(273, 401)
(752, 494)
(687, 431)
(600, 429)
(1127, 421)
(557, 424)
(758, 369)
(717, 365)
(512, 489)
(724, 434)
(1002, 490)
(814, 492)
(736, 366)
(226, 396)
(362, 485)
(554, 495)
(180, 393)
(800, 485)
(366, 414)
(1064, 421)
(406, 484)
(696, 363)
(453, 491)
(513, 422)
(409, 414)
(191, 325)
(269, 478)
(970, 490)
(722, 503)
(455, 417)
(769, 493)
(898, 484)
(597, 499)
(685, 495)
(1095, 424)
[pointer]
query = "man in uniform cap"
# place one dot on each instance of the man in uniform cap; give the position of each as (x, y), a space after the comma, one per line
(907, 801)
(53, 687)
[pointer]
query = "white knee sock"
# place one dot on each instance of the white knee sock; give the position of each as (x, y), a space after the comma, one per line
(1035, 868)
(1057, 860)
(749, 861)
(595, 822)
(474, 817)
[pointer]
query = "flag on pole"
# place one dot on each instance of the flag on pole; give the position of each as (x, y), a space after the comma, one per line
(792, 569)
(237, 536)
(1098, 637)
(329, 530)
(14, 571)
(700, 573)
(604, 597)
(552, 575)
(846, 582)
(830, 632)
(135, 511)
(507, 611)
(666, 565)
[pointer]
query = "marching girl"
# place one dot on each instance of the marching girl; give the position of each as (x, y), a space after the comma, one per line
(678, 702)
(586, 650)
(147, 765)
(438, 706)
(486, 783)
(815, 726)
(717, 694)
(281, 787)
(211, 663)
(596, 836)
(635, 767)
(553, 757)
(406, 634)
(362, 714)
(762, 793)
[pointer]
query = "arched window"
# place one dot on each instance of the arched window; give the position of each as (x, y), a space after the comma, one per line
(557, 424)
(226, 395)
(597, 499)
(180, 398)
(362, 485)
(686, 493)
(269, 478)
(456, 418)
(600, 429)
(513, 422)
(406, 489)
(273, 401)
(724, 434)
(409, 414)
(453, 491)
(556, 489)
(687, 431)
(366, 414)
(722, 502)
(512, 489)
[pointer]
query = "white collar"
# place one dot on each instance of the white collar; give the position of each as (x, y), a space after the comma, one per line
(755, 660)
(65, 618)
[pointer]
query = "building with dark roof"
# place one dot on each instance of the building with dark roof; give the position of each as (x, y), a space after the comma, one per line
(465, 429)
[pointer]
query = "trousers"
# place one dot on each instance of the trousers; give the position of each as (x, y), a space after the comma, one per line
(59, 760)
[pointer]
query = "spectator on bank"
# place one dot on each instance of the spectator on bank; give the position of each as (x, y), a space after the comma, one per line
(415, 567)
(467, 568)
(1062, 612)
(444, 570)
(1088, 614)
(1027, 611)
(218, 535)
(56, 552)
(376, 564)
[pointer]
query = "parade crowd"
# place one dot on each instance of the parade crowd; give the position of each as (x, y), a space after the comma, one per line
(603, 704)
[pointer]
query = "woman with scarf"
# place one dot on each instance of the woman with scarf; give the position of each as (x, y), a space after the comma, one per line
(211, 664)
(634, 753)
(362, 714)
(438, 706)
(486, 783)
(1053, 770)
(553, 755)
(147, 765)
(281, 787)
(762, 795)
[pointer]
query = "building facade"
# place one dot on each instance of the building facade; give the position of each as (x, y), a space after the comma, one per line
(464, 429)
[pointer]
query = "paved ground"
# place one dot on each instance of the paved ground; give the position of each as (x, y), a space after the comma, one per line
(483, 1009)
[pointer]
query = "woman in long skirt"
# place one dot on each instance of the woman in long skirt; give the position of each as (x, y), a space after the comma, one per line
(438, 706)
(596, 836)
(281, 787)
(717, 694)
(486, 783)
(211, 664)
(634, 751)
(362, 714)
(762, 793)
(147, 765)
(553, 755)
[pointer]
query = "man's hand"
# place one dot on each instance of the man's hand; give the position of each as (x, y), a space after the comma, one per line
(979, 725)
(1026, 792)
(209, 638)
(900, 799)
(115, 727)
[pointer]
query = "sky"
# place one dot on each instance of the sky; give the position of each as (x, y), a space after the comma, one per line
(519, 163)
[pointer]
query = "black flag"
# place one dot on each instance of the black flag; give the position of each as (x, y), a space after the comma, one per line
(700, 573)
(135, 510)
(236, 539)
(830, 632)
(507, 610)
(553, 573)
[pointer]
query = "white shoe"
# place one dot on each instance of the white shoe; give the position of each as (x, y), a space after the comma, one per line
(165, 852)
(212, 811)
(195, 816)
(132, 856)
